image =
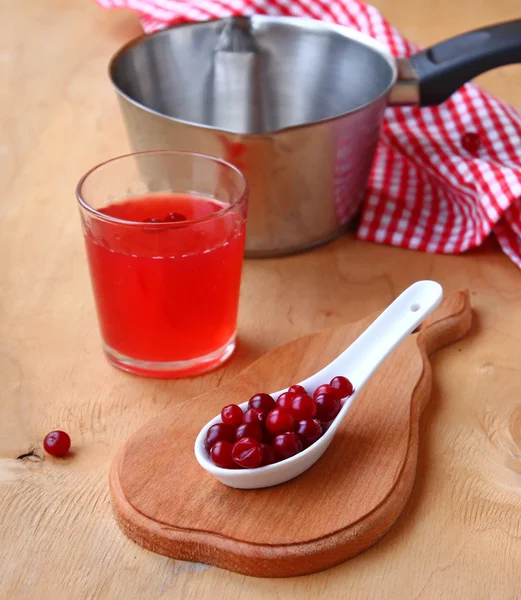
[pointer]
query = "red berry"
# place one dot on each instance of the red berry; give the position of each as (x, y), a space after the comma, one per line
(262, 402)
(471, 142)
(279, 420)
(309, 431)
(231, 414)
(268, 455)
(221, 454)
(252, 415)
(303, 407)
(342, 386)
(287, 445)
(325, 388)
(285, 399)
(249, 430)
(219, 432)
(328, 407)
(267, 437)
(57, 443)
(247, 453)
(297, 389)
(174, 217)
(157, 222)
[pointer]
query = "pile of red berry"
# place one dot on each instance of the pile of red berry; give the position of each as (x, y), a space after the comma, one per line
(270, 431)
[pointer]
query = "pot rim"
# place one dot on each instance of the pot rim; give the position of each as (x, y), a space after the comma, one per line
(299, 22)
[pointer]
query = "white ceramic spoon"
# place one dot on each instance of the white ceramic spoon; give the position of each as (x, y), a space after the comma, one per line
(357, 363)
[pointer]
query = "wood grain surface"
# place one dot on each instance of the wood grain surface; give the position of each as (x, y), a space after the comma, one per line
(167, 503)
(460, 533)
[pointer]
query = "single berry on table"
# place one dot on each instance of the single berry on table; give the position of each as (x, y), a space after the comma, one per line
(262, 402)
(231, 414)
(287, 445)
(328, 407)
(309, 431)
(221, 454)
(57, 443)
(342, 386)
(218, 432)
(303, 407)
(247, 453)
(249, 430)
(279, 420)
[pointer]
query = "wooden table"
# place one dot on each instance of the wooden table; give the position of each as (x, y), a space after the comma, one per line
(460, 535)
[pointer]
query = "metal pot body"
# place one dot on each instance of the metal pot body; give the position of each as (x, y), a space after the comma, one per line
(306, 184)
(296, 105)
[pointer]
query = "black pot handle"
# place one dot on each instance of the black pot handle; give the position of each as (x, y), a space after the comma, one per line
(445, 67)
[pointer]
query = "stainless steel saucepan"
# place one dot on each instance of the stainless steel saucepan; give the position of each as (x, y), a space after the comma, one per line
(296, 104)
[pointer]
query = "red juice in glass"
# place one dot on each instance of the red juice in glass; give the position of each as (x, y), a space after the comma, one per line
(165, 269)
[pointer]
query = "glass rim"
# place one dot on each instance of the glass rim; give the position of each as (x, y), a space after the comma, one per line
(170, 225)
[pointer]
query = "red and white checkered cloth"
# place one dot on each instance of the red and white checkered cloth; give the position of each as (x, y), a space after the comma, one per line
(426, 192)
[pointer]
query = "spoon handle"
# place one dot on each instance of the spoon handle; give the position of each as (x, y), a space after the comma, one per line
(398, 320)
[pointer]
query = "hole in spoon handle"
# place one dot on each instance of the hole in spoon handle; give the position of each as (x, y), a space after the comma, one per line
(402, 316)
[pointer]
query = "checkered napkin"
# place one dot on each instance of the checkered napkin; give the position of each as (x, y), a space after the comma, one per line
(427, 191)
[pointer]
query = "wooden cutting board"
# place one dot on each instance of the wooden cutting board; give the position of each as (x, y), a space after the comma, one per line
(344, 504)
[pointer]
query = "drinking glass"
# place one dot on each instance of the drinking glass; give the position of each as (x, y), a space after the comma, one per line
(164, 234)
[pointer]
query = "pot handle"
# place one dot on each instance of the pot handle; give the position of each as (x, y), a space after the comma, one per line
(445, 67)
